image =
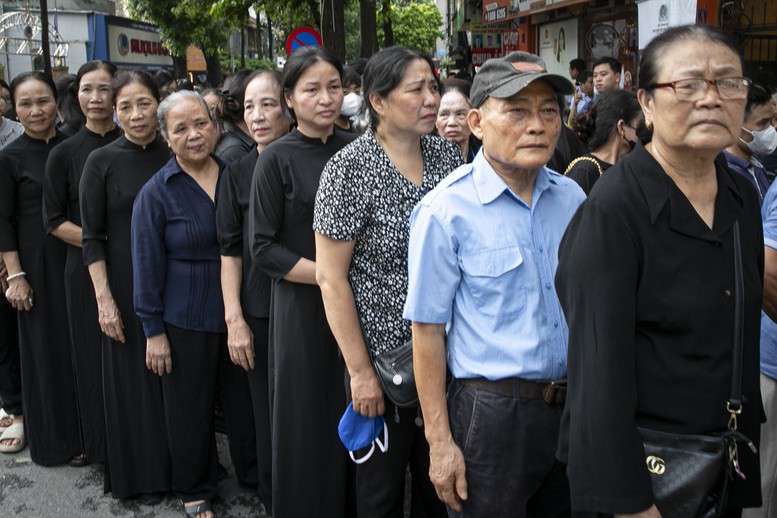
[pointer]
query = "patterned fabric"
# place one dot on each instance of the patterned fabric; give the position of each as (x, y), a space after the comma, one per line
(362, 197)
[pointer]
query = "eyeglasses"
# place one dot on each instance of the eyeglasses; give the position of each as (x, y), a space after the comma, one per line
(460, 116)
(6, 98)
(728, 88)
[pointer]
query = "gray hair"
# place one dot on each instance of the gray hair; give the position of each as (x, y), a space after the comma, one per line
(173, 99)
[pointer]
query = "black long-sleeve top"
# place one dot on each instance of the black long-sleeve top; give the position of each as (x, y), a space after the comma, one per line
(647, 290)
(283, 193)
(63, 175)
(232, 224)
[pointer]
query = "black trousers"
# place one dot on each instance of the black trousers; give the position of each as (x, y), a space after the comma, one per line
(380, 482)
(10, 366)
(245, 400)
(509, 454)
(189, 394)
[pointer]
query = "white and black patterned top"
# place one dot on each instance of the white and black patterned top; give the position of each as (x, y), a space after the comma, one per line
(363, 197)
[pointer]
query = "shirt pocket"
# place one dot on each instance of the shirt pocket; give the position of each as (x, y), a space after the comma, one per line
(495, 279)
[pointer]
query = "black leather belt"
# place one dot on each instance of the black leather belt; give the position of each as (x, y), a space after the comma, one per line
(551, 393)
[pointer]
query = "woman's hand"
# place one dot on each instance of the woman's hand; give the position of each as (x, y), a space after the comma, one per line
(109, 316)
(649, 513)
(367, 394)
(240, 341)
(19, 294)
(158, 358)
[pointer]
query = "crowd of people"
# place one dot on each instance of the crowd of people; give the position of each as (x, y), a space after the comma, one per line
(563, 261)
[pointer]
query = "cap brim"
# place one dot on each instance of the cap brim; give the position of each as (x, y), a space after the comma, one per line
(561, 84)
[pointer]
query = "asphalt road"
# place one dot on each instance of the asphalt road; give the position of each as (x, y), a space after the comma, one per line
(29, 490)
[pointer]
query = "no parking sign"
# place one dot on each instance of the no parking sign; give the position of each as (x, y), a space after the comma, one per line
(302, 37)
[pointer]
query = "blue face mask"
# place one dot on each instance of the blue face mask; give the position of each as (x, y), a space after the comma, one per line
(357, 432)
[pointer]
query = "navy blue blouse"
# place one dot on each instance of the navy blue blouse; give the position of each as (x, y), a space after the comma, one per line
(175, 254)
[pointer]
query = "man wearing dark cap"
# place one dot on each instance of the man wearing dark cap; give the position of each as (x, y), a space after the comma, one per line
(482, 257)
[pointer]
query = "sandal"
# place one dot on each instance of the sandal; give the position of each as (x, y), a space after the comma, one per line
(194, 510)
(5, 417)
(15, 431)
(79, 461)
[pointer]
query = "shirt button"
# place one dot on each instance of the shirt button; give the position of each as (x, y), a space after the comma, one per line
(547, 285)
(727, 293)
(542, 249)
(555, 323)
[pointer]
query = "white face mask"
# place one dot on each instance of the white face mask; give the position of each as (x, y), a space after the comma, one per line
(352, 103)
(764, 141)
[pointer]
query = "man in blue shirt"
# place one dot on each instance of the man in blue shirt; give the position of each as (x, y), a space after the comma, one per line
(758, 137)
(482, 258)
(768, 447)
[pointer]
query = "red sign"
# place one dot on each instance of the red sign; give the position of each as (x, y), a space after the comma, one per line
(303, 37)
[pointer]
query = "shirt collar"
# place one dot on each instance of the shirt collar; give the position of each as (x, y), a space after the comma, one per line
(171, 168)
(489, 185)
(660, 190)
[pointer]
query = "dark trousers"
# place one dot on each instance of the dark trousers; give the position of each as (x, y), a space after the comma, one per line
(189, 394)
(245, 400)
(508, 446)
(10, 367)
(380, 482)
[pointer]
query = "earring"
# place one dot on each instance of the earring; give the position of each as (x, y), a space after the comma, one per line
(649, 125)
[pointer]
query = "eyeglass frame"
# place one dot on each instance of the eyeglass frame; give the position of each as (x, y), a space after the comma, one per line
(747, 82)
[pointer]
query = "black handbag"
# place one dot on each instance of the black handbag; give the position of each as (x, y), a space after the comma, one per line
(395, 372)
(691, 473)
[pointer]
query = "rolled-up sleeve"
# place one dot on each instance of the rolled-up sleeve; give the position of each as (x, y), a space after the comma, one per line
(597, 280)
(92, 193)
(266, 212)
(229, 217)
(55, 192)
(8, 199)
(433, 271)
(149, 259)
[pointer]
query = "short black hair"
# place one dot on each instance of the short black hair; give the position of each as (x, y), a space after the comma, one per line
(577, 64)
(756, 96)
(126, 77)
(595, 127)
(34, 75)
(385, 71)
(351, 76)
(648, 68)
(583, 76)
(91, 66)
(298, 63)
(613, 63)
(234, 94)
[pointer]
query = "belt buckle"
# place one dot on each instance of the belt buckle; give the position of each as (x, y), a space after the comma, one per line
(550, 392)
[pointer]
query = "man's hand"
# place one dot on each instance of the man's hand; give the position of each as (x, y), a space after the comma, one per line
(447, 473)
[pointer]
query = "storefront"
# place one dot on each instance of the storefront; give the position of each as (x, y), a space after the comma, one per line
(127, 43)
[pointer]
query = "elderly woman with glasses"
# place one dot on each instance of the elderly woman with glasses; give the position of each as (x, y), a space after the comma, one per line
(646, 278)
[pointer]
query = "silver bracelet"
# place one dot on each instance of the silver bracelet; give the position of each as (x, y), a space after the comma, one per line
(15, 276)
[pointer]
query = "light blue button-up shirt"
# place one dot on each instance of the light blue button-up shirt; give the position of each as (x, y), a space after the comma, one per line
(768, 327)
(482, 259)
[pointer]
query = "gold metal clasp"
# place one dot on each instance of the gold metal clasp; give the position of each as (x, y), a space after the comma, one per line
(732, 420)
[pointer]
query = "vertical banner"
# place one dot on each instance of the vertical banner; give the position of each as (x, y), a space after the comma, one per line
(558, 45)
(656, 16)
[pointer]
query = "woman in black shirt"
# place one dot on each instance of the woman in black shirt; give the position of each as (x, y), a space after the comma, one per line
(646, 281)
(63, 220)
(36, 269)
(244, 381)
(310, 465)
(137, 462)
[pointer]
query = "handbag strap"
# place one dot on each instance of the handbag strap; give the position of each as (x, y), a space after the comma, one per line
(587, 159)
(734, 403)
